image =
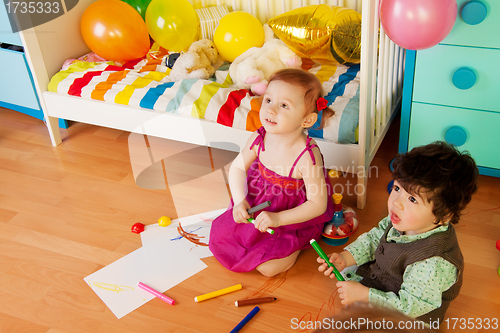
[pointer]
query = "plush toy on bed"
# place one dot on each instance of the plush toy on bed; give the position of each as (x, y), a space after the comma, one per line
(196, 63)
(252, 68)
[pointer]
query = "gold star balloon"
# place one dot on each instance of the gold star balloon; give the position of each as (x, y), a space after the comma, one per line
(322, 33)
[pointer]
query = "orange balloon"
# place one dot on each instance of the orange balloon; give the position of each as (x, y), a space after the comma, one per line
(115, 31)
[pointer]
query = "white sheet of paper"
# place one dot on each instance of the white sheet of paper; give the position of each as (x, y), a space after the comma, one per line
(170, 263)
(198, 225)
(161, 266)
(116, 284)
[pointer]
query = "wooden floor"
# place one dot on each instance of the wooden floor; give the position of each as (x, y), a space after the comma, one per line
(66, 212)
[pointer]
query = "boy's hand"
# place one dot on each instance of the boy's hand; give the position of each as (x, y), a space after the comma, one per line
(267, 220)
(335, 258)
(352, 291)
(240, 214)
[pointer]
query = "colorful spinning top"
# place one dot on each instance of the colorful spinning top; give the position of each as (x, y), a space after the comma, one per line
(343, 224)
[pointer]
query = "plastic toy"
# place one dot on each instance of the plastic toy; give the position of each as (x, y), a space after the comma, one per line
(417, 25)
(137, 228)
(164, 221)
(115, 31)
(322, 33)
(237, 32)
(173, 24)
(334, 173)
(343, 224)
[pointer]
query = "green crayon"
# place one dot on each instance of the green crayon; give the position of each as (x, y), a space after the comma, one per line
(323, 256)
(269, 230)
(256, 209)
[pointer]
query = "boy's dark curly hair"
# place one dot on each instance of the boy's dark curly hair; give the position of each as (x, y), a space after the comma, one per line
(445, 175)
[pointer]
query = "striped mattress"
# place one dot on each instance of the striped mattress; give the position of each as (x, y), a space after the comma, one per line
(145, 83)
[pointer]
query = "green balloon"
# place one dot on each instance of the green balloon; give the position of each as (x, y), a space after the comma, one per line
(139, 5)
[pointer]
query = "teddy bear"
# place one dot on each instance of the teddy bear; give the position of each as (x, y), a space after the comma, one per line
(252, 68)
(196, 63)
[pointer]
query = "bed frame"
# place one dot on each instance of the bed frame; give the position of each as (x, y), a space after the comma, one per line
(47, 46)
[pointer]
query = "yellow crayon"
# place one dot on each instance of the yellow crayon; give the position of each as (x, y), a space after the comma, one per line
(218, 293)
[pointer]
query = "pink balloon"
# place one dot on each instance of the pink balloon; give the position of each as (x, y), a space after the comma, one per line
(417, 24)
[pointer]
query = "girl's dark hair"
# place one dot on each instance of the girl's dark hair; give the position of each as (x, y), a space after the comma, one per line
(447, 176)
(310, 84)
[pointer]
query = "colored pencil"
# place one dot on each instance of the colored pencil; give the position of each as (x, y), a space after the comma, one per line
(269, 230)
(259, 207)
(152, 291)
(256, 209)
(323, 256)
(245, 320)
(218, 293)
(253, 301)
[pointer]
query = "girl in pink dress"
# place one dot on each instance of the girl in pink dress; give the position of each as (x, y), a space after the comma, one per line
(279, 163)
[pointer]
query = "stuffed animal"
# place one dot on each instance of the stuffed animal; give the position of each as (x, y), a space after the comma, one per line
(254, 67)
(196, 63)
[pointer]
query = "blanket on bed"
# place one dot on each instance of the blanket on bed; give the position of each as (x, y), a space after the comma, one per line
(145, 83)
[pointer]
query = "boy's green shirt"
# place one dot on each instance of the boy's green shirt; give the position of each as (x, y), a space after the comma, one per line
(423, 281)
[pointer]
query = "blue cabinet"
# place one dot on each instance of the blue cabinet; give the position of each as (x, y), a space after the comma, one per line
(17, 91)
(451, 91)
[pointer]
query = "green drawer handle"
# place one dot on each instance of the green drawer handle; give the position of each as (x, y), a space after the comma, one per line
(464, 78)
(456, 135)
(474, 12)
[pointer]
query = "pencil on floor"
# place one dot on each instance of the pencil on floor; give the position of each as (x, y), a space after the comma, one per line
(245, 320)
(253, 301)
(161, 296)
(218, 293)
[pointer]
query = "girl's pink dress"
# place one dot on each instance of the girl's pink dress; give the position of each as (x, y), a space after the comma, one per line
(240, 247)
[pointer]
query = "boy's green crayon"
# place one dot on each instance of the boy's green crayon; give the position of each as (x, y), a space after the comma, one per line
(323, 256)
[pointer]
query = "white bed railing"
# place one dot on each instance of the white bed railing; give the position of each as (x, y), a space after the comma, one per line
(380, 87)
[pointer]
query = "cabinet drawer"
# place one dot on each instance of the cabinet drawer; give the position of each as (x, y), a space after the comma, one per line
(435, 72)
(16, 86)
(431, 123)
(6, 35)
(480, 34)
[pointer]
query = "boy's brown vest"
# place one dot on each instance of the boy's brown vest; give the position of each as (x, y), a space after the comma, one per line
(385, 273)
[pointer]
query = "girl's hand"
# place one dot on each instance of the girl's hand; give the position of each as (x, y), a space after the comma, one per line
(240, 214)
(267, 220)
(352, 291)
(335, 258)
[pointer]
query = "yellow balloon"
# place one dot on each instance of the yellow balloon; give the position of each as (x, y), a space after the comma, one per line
(173, 24)
(321, 33)
(236, 33)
